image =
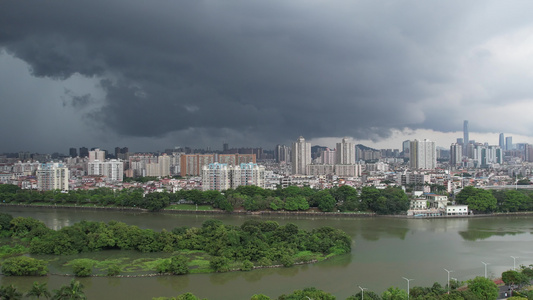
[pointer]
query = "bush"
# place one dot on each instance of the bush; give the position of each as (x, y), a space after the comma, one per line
(178, 265)
(247, 265)
(82, 267)
(264, 261)
(24, 266)
(287, 261)
(219, 264)
(113, 270)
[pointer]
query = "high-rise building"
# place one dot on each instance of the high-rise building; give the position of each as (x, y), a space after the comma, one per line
(84, 152)
(112, 170)
(502, 141)
(52, 176)
(465, 136)
(456, 154)
(248, 174)
(97, 154)
(423, 155)
(220, 177)
(216, 177)
(73, 152)
(282, 154)
(329, 157)
(300, 156)
(509, 143)
(345, 153)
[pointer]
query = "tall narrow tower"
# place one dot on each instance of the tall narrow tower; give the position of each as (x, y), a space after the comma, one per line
(300, 156)
(465, 137)
(345, 153)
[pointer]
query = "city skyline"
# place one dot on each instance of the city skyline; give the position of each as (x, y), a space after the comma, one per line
(152, 76)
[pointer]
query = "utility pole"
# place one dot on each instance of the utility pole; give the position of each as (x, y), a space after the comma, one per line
(408, 280)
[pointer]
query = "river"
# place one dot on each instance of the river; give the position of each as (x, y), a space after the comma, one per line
(384, 250)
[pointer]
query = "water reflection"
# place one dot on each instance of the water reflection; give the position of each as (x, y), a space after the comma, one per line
(384, 250)
(178, 283)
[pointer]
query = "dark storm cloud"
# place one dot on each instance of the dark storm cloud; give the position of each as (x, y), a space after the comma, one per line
(269, 69)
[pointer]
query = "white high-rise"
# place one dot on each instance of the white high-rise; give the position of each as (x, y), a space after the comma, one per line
(52, 176)
(423, 155)
(345, 153)
(300, 156)
(112, 170)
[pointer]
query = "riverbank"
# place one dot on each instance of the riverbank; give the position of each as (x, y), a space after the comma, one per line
(266, 213)
(199, 212)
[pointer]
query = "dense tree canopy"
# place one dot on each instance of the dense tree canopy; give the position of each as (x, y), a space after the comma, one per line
(252, 241)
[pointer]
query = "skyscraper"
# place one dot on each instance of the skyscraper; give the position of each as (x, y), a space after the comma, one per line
(502, 141)
(465, 137)
(300, 156)
(345, 153)
(423, 155)
(509, 143)
(456, 153)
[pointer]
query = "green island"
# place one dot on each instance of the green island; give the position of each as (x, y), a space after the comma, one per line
(214, 247)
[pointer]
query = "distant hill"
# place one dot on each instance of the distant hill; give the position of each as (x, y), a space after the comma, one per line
(363, 147)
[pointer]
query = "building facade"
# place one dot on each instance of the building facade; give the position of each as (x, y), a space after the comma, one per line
(423, 155)
(52, 176)
(301, 156)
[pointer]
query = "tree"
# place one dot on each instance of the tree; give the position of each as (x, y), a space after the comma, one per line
(10, 293)
(219, 264)
(394, 293)
(366, 295)
(482, 201)
(483, 287)
(514, 201)
(178, 265)
(260, 297)
(464, 194)
(311, 293)
(39, 290)
(73, 291)
(82, 267)
(512, 277)
(24, 266)
(325, 201)
(5, 221)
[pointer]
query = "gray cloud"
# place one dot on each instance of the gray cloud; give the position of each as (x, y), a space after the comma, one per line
(261, 73)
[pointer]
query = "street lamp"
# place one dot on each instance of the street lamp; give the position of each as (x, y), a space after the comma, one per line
(408, 280)
(362, 292)
(514, 262)
(485, 268)
(448, 279)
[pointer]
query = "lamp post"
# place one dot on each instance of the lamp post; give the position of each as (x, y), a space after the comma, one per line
(362, 292)
(485, 268)
(408, 280)
(514, 262)
(448, 279)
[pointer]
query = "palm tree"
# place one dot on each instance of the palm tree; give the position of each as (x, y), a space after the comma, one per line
(9, 293)
(73, 291)
(39, 290)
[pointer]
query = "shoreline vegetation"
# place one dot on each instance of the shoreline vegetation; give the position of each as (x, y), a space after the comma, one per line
(253, 200)
(310, 213)
(214, 247)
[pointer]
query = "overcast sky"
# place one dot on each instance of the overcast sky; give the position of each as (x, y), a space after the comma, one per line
(152, 75)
